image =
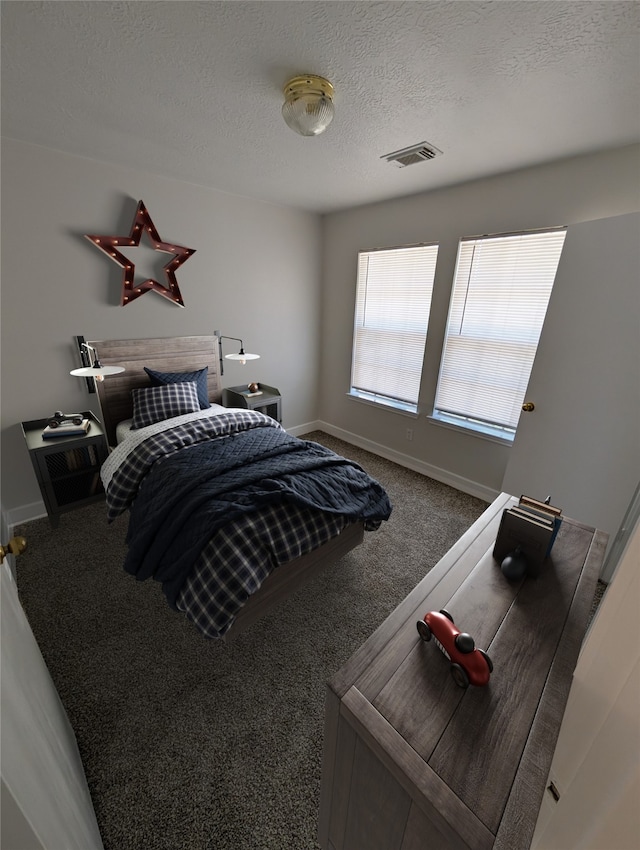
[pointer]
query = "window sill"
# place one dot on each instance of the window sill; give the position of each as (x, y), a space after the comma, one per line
(471, 431)
(382, 405)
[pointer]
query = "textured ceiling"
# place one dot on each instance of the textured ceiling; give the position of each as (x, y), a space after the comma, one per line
(192, 90)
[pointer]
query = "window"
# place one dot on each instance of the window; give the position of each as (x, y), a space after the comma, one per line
(393, 300)
(500, 295)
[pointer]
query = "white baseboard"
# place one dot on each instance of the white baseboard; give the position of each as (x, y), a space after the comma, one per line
(297, 430)
(472, 488)
(24, 513)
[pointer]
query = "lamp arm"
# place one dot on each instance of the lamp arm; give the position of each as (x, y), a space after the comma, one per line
(220, 338)
(236, 338)
(92, 355)
(85, 360)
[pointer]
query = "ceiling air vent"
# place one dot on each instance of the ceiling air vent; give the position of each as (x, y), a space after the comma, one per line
(410, 156)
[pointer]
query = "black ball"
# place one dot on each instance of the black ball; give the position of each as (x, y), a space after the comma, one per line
(514, 566)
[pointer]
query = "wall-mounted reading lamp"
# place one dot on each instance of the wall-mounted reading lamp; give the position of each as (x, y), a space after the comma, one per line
(241, 355)
(92, 368)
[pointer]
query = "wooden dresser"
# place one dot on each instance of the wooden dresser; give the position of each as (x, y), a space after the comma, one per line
(412, 761)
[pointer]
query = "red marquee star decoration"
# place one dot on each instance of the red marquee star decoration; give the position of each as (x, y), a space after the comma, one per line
(141, 223)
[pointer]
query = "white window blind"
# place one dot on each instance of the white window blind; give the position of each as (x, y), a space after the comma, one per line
(393, 300)
(500, 295)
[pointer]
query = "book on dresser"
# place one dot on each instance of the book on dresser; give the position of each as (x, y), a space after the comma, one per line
(65, 430)
(531, 526)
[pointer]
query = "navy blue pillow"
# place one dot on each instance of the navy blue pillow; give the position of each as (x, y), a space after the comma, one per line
(161, 379)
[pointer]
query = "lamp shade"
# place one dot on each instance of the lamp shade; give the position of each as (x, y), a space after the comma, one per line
(96, 371)
(242, 356)
(308, 106)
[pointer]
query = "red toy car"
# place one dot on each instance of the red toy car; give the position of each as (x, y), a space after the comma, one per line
(469, 666)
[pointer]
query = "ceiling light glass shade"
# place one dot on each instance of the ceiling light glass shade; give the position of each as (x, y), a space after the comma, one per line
(308, 105)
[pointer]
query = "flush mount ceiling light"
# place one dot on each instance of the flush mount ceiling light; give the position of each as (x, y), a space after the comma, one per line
(308, 104)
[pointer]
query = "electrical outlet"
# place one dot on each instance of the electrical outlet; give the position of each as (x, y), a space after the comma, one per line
(409, 434)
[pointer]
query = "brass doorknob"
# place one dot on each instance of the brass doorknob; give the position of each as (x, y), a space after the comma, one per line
(528, 406)
(15, 546)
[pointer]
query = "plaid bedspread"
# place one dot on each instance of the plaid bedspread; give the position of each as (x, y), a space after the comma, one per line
(122, 485)
(234, 559)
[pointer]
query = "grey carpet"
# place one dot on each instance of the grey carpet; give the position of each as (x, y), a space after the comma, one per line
(190, 744)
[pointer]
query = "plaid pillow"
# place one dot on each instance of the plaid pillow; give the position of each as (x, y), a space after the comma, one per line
(155, 404)
(160, 379)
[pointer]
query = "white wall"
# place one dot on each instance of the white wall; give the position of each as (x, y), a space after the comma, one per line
(255, 275)
(561, 193)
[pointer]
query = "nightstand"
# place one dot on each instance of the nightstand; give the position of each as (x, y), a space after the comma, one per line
(269, 402)
(67, 468)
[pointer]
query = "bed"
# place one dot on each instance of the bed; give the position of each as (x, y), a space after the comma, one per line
(228, 511)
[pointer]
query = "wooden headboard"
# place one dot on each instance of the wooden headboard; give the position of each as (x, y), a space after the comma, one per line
(168, 354)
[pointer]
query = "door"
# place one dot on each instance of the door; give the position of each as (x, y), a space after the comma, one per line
(581, 443)
(45, 800)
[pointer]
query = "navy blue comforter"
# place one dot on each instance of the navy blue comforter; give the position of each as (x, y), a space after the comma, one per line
(190, 494)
